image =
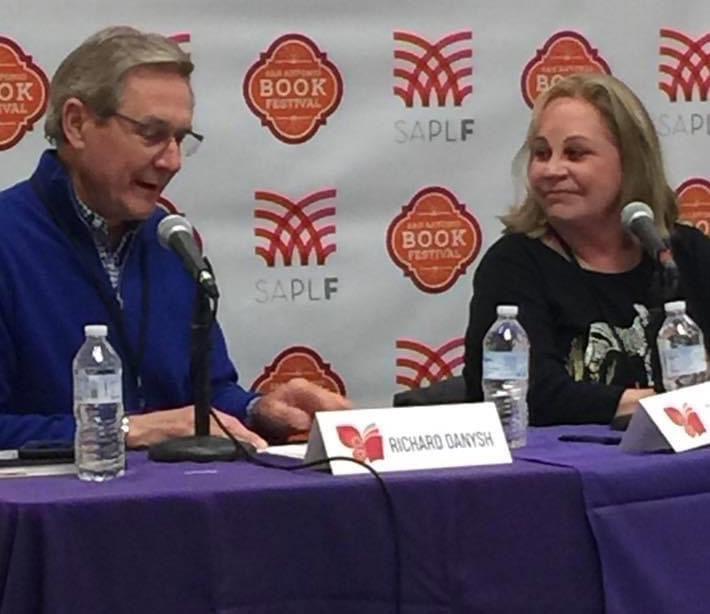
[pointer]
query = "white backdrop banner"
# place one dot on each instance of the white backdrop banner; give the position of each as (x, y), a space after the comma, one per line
(357, 154)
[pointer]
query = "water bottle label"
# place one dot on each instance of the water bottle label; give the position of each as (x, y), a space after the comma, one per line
(683, 360)
(105, 388)
(505, 365)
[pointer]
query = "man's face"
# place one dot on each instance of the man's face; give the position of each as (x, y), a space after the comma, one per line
(120, 172)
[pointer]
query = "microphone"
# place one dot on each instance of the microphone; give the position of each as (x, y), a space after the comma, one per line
(175, 234)
(637, 219)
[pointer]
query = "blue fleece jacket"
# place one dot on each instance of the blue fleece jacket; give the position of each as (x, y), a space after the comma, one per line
(48, 293)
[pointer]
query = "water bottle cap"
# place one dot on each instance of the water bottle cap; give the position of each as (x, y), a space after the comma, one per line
(507, 310)
(95, 330)
(674, 306)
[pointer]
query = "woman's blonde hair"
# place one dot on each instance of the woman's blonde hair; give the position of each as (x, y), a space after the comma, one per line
(95, 70)
(643, 175)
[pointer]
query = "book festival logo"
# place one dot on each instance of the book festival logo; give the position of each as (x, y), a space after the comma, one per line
(295, 232)
(433, 239)
(23, 93)
(685, 80)
(298, 361)
(421, 365)
(564, 53)
(694, 203)
(433, 74)
(293, 88)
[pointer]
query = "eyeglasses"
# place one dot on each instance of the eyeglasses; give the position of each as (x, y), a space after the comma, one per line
(156, 131)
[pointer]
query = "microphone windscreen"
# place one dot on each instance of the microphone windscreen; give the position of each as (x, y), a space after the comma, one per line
(170, 224)
(633, 211)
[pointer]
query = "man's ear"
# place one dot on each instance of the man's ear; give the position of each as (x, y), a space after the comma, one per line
(75, 117)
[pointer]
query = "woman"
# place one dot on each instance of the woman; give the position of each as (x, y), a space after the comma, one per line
(589, 297)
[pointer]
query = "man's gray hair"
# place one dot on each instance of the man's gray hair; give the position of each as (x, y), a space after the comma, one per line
(95, 70)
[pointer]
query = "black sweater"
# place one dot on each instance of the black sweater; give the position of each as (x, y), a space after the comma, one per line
(579, 365)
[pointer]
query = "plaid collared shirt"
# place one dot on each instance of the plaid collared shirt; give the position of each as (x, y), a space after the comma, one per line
(111, 258)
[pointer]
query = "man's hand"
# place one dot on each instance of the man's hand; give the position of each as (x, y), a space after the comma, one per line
(289, 408)
(156, 426)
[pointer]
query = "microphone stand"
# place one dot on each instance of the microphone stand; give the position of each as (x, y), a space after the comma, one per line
(666, 285)
(200, 447)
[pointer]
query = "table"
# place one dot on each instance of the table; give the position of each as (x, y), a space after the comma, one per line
(649, 517)
(233, 538)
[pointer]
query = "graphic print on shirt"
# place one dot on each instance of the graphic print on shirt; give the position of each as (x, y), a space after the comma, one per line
(598, 358)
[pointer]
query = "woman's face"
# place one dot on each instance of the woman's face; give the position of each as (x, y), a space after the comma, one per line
(575, 167)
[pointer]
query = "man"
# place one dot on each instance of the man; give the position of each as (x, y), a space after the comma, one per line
(81, 247)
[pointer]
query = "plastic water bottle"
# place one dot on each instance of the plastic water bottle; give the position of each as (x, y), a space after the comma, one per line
(681, 349)
(99, 445)
(506, 351)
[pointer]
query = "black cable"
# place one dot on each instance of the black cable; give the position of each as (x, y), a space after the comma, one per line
(389, 505)
(215, 299)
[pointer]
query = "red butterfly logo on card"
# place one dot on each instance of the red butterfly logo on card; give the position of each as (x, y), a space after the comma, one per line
(687, 418)
(367, 446)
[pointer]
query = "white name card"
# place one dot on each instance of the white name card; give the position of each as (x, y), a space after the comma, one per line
(404, 438)
(677, 420)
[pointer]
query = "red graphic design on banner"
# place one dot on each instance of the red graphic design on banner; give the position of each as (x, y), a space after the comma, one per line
(366, 447)
(438, 67)
(694, 203)
(168, 205)
(298, 361)
(293, 88)
(183, 39)
(687, 418)
(687, 67)
(564, 53)
(434, 239)
(171, 208)
(23, 93)
(299, 227)
(428, 364)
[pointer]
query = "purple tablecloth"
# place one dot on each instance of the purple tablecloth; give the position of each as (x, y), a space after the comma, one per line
(232, 538)
(650, 518)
